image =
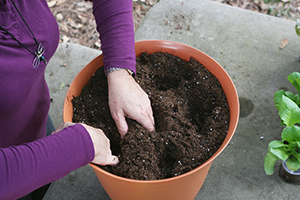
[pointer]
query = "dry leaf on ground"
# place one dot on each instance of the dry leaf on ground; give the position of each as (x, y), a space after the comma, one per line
(283, 43)
(51, 4)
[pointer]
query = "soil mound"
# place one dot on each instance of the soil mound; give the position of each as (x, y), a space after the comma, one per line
(191, 118)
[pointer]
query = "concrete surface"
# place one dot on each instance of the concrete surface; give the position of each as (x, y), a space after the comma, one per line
(246, 44)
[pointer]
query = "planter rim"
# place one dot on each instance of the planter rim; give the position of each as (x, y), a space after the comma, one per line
(297, 172)
(173, 47)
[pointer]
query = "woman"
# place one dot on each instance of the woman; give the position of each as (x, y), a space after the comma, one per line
(29, 36)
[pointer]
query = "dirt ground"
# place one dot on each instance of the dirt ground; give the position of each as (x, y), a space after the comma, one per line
(77, 24)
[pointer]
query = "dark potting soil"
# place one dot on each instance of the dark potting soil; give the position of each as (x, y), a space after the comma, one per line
(191, 118)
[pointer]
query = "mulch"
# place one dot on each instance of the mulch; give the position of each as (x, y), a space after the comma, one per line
(77, 24)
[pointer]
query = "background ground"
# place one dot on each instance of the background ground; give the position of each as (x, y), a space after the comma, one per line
(77, 24)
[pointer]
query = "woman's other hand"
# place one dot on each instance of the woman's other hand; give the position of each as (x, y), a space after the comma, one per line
(103, 154)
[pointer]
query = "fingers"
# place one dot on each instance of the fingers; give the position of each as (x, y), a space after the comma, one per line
(148, 123)
(109, 160)
(121, 124)
(103, 154)
(145, 118)
(114, 161)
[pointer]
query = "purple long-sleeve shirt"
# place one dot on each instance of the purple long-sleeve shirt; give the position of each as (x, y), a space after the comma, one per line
(28, 159)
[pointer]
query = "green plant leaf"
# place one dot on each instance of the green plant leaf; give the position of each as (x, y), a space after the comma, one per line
(278, 96)
(289, 111)
(294, 78)
(279, 153)
(292, 96)
(276, 144)
(297, 156)
(297, 27)
(269, 163)
(293, 164)
(291, 134)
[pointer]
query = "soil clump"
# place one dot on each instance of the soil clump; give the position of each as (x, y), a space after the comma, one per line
(191, 118)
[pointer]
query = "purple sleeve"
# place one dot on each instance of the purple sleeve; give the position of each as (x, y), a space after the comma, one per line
(43, 161)
(115, 26)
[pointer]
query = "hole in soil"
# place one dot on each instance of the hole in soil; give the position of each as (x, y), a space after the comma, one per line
(160, 119)
(166, 83)
(175, 108)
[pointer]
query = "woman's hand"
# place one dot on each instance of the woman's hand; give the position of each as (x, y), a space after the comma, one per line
(103, 154)
(127, 99)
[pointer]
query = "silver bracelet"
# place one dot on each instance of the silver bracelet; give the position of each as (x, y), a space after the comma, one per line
(109, 70)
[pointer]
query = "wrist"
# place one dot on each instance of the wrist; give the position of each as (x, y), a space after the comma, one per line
(114, 69)
(118, 78)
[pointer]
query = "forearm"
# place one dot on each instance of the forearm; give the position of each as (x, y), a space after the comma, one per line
(27, 167)
(115, 26)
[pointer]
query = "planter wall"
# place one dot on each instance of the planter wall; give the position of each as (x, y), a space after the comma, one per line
(185, 186)
(288, 175)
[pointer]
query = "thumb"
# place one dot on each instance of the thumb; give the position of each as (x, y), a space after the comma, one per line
(63, 126)
(114, 161)
(110, 160)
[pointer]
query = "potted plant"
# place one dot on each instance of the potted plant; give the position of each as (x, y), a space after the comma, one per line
(288, 148)
(187, 185)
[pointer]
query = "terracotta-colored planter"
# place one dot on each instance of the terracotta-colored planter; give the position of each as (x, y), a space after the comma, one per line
(185, 186)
